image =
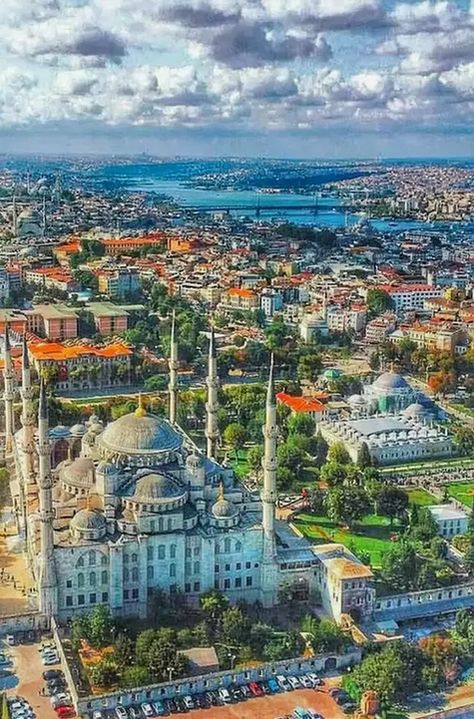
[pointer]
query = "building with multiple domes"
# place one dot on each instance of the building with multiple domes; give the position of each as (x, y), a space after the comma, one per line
(113, 514)
(395, 422)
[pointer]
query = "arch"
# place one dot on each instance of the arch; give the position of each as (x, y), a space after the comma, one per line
(104, 576)
(80, 579)
(80, 562)
(172, 551)
(126, 574)
(330, 664)
(92, 557)
(135, 574)
(227, 544)
(60, 451)
(172, 570)
(238, 546)
(92, 578)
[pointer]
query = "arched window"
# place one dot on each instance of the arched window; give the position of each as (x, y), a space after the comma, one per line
(238, 546)
(134, 557)
(105, 576)
(80, 579)
(92, 557)
(152, 525)
(227, 544)
(126, 574)
(172, 570)
(125, 558)
(170, 524)
(160, 524)
(92, 578)
(103, 560)
(150, 572)
(172, 551)
(218, 549)
(135, 574)
(149, 552)
(161, 551)
(197, 568)
(80, 562)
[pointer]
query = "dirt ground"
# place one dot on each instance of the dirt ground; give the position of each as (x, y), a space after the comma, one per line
(29, 670)
(15, 579)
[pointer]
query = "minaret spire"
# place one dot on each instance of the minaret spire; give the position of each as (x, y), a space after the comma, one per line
(212, 405)
(269, 463)
(14, 217)
(173, 367)
(47, 577)
(27, 416)
(9, 393)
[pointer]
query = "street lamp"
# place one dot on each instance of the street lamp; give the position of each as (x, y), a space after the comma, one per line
(232, 658)
(170, 671)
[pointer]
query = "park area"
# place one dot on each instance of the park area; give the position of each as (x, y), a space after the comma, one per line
(462, 491)
(421, 497)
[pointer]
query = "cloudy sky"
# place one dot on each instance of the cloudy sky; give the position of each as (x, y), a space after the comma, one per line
(298, 78)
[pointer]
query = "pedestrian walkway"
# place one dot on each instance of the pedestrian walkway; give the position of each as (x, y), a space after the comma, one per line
(16, 585)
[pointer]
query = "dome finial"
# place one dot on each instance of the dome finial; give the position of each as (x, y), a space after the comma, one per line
(140, 410)
(221, 491)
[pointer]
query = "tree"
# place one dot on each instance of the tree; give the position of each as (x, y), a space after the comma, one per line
(235, 435)
(135, 676)
(309, 366)
(254, 457)
(234, 626)
(213, 604)
(100, 626)
(400, 567)
(104, 673)
(301, 424)
(363, 456)
(315, 500)
(339, 454)
(284, 646)
(345, 505)
(333, 474)
(378, 301)
(392, 502)
(124, 651)
(320, 449)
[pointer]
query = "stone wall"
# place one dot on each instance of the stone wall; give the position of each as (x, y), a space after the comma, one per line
(29, 621)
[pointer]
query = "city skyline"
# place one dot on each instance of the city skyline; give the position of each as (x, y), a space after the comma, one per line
(238, 77)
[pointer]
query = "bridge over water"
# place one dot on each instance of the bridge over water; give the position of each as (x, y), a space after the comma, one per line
(260, 207)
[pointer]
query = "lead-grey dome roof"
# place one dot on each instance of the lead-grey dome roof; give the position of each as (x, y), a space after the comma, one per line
(88, 519)
(415, 410)
(140, 432)
(155, 486)
(390, 380)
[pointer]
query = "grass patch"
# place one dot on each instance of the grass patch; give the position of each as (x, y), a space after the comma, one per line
(238, 462)
(414, 467)
(462, 491)
(372, 534)
(421, 497)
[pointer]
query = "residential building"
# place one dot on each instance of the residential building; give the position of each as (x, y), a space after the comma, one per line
(55, 321)
(118, 283)
(109, 318)
(271, 301)
(411, 297)
(450, 520)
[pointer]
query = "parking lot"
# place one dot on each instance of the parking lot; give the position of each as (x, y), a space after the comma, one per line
(27, 678)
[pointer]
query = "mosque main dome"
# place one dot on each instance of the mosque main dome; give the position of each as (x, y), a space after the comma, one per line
(390, 381)
(140, 433)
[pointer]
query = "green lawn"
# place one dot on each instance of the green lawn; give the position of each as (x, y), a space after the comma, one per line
(371, 535)
(238, 461)
(462, 491)
(421, 497)
(414, 467)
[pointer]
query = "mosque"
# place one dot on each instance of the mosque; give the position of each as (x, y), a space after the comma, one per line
(397, 423)
(111, 514)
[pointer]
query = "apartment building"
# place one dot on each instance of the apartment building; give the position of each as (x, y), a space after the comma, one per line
(411, 297)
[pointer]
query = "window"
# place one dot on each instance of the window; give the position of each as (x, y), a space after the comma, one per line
(173, 551)
(248, 565)
(92, 598)
(80, 562)
(134, 593)
(69, 583)
(103, 560)
(238, 566)
(172, 570)
(197, 551)
(80, 599)
(126, 558)
(248, 581)
(104, 576)
(134, 557)
(160, 524)
(105, 597)
(187, 588)
(187, 568)
(150, 571)
(238, 582)
(197, 587)
(170, 524)
(80, 579)
(125, 593)
(68, 601)
(126, 574)
(149, 553)
(216, 568)
(238, 546)
(92, 557)
(216, 584)
(227, 544)
(161, 551)
(218, 549)
(135, 574)
(226, 583)
(188, 552)
(197, 567)
(227, 567)
(152, 525)
(92, 579)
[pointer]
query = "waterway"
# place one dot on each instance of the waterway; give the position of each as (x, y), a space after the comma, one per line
(330, 212)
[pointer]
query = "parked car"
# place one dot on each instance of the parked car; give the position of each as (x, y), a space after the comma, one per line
(212, 698)
(224, 695)
(48, 659)
(256, 689)
(305, 681)
(51, 674)
(5, 659)
(274, 686)
(11, 640)
(159, 709)
(134, 713)
(121, 713)
(294, 682)
(180, 704)
(97, 714)
(170, 706)
(284, 683)
(245, 691)
(189, 702)
(317, 681)
(64, 712)
(147, 709)
(61, 699)
(202, 701)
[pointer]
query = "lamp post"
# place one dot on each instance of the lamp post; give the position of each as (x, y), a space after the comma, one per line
(170, 671)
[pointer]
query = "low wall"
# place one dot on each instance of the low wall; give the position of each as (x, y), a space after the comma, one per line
(425, 602)
(29, 621)
(207, 682)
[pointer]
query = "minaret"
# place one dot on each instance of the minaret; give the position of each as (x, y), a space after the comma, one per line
(27, 416)
(43, 217)
(173, 367)
(269, 464)
(47, 579)
(9, 393)
(14, 218)
(212, 405)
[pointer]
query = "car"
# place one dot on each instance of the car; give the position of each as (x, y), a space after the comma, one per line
(50, 658)
(189, 702)
(181, 704)
(5, 659)
(256, 689)
(294, 682)
(121, 713)
(245, 691)
(55, 689)
(305, 681)
(4, 672)
(314, 715)
(147, 709)
(97, 714)
(134, 713)
(217, 698)
(64, 712)
(51, 674)
(316, 681)
(236, 694)
(284, 683)
(61, 699)
(212, 699)
(25, 712)
(224, 695)
(11, 640)
(159, 709)
(170, 706)
(274, 686)
(348, 707)
(48, 645)
(15, 703)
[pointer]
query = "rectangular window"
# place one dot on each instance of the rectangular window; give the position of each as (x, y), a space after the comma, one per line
(69, 583)
(105, 597)
(149, 552)
(187, 587)
(125, 593)
(81, 599)
(226, 583)
(197, 587)
(238, 566)
(238, 582)
(150, 572)
(197, 551)
(216, 584)
(161, 551)
(92, 598)
(69, 601)
(188, 552)
(248, 565)
(134, 593)
(227, 567)
(248, 581)
(216, 568)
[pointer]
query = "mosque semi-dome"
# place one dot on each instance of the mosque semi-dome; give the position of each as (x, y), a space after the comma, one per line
(88, 520)
(194, 461)
(415, 410)
(140, 432)
(155, 486)
(223, 508)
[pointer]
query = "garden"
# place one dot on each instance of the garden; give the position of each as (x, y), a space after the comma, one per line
(462, 491)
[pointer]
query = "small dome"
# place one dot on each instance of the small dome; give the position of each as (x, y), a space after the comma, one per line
(415, 410)
(155, 486)
(96, 427)
(78, 429)
(106, 468)
(80, 471)
(88, 520)
(390, 380)
(93, 419)
(223, 508)
(60, 431)
(194, 461)
(332, 373)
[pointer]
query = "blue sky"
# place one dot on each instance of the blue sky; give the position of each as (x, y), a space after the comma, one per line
(299, 78)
